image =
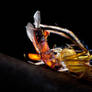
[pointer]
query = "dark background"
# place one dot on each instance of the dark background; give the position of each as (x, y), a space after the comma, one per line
(14, 16)
(75, 16)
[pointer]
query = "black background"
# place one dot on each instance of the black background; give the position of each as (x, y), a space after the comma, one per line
(75, 16)
(15, 15)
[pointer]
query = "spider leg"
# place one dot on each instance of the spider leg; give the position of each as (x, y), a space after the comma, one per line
(37, 63)
(72, 36)
(63, 68)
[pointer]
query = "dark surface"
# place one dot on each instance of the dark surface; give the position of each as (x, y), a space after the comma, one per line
(20, 76)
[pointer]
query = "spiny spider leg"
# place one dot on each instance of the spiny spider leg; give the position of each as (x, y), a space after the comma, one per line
(76, 40)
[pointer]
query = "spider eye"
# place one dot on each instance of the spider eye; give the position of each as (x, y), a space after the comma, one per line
(55, 53)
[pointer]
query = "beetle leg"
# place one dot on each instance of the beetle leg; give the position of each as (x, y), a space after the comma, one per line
(38, 63)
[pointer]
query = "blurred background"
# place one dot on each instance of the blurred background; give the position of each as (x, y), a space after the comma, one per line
(75, 16)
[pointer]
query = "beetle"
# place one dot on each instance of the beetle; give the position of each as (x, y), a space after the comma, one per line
(68, 59)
